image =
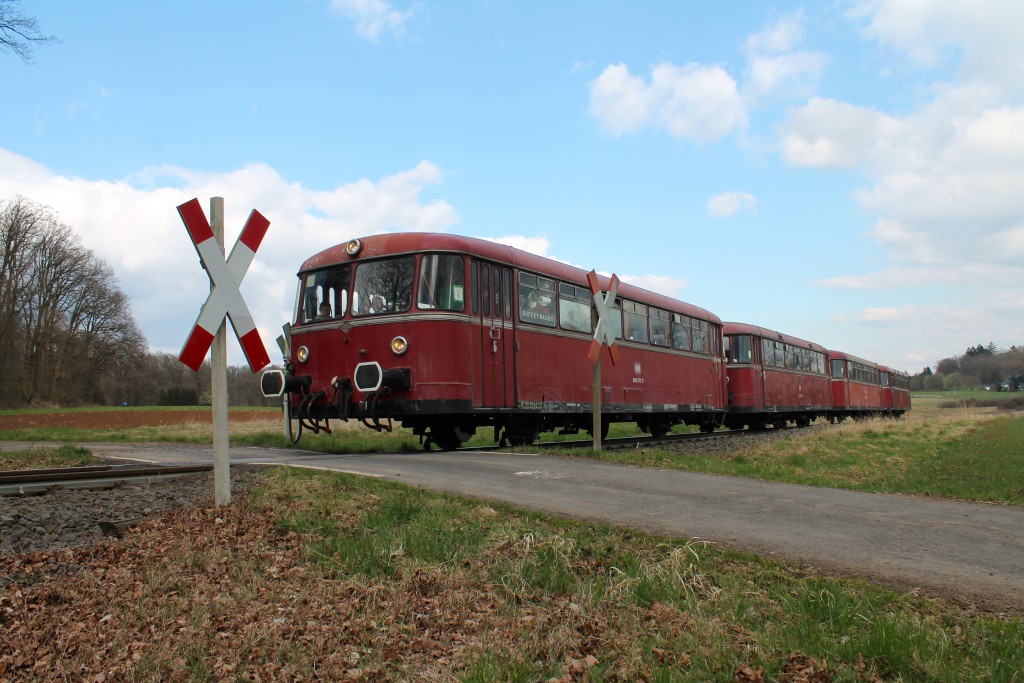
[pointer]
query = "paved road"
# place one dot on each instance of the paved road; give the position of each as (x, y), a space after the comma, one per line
(971, 552)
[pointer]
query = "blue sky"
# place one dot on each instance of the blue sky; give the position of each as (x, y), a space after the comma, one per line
(848, 172)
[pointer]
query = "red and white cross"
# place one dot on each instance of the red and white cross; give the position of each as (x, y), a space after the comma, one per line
(225, 297)
(603, 332)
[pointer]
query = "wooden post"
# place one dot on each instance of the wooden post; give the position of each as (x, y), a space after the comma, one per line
(219, 380)
(597, 404)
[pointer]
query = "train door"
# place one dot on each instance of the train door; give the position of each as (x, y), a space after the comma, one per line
(757, 358)
(497, 330)
(840, 385)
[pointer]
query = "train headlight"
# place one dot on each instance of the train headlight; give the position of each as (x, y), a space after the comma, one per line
(399, 345)
(302, 354)
(353, 247)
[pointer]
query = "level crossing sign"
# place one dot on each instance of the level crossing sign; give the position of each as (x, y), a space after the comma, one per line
(603, 332)
(225, 277)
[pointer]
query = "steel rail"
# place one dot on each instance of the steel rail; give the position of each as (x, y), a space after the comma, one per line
(25, 482)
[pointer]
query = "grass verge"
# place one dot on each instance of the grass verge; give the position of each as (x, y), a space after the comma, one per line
(958, 454)
(325, 575)
(44, 456)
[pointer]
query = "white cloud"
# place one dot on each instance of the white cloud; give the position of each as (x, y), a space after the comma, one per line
(693, 102)
(533, 245)
(945, 177)
(620, 100)
(729, 203)
(832, 134)
(775, 68)
(373, 17)
(133, 225)
(661, 284)
(703, 103)
(983, 34)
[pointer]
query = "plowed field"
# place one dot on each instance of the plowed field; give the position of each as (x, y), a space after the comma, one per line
(126, 419)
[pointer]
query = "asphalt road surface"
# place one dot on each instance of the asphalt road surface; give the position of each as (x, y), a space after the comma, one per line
(972, 553)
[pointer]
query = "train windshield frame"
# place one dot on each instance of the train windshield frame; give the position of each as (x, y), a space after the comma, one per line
(324, 294)
(383, 286)
(739, 348)
(442, 282)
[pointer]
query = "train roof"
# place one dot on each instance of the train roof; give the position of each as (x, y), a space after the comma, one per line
(744, 328)
(840, 355)
(415, 242)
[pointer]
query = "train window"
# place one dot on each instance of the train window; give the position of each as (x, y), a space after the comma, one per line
(701, 338)
(485, 288)
(474, 281)
(537, 300)
(324, 294)
(383, 286)
(497, 292)
(740, 350)
(680, 332)
(837, 369)
(574, 308)
(659, 321)
(616, 319)
(767, 354)
(636, 321)
(442, 283)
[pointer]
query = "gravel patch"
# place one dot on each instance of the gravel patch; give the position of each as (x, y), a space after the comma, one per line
(68, 518)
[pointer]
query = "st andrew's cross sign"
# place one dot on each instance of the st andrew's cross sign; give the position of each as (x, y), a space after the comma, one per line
(225, 277)
(603, 333)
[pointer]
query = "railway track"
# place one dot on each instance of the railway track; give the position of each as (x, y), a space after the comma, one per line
(29, 482)
(645, 440)
(638, 440)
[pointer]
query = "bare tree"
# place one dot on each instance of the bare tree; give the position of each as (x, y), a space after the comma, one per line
(18, 33)
(66, 330)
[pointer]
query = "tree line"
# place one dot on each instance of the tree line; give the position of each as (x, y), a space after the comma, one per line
(67, 334)
(979, 367)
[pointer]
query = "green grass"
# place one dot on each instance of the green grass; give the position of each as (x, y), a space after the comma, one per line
(956, 457)
(45, 457)
(563, 598)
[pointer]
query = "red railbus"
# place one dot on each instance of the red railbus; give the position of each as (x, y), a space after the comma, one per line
(856, 387)
(447, 335)
(774, 378)
(895, 391)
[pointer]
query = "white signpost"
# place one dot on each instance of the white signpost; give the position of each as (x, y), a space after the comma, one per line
(604, 333)
(225, 299)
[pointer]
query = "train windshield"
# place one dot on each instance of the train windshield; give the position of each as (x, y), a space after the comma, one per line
(738, 348)
(324, 295)
(383, 286)
(442, 282)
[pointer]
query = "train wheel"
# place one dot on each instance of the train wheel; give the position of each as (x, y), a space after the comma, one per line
(604, 429)
(522, 432)
(803, 421)
(659, 428)
(707, 427)
(292, 425)
(449, 437)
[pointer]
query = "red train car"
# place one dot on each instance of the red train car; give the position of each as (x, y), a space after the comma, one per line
(895, 391)
(856, 387)
(448, 334)
(774, 378)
